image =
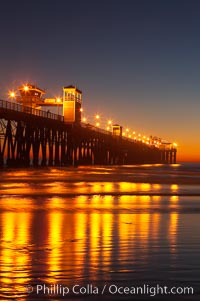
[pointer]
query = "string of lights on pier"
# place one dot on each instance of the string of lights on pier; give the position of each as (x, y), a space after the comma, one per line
(32, 96)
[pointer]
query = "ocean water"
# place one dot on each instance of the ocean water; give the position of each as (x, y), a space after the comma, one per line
(102, 233)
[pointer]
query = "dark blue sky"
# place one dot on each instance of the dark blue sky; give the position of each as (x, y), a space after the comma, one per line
(135, 61)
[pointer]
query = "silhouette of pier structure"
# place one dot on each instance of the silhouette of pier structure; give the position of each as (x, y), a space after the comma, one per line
(33, 137)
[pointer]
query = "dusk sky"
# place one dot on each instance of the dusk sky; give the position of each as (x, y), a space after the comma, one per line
(137, 62)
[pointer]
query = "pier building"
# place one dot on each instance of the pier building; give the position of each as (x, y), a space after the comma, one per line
(30, 96)
(72, 100)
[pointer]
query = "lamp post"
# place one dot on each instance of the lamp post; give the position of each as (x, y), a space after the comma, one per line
(12, 95)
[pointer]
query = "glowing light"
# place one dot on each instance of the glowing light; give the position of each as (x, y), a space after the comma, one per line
(109, 121)
(107, 128)
(84, 119)
(97, 124)
(12, 94)
(175, 144)
(127, 130)
(26, 88)
(81, 109)
(174, 187)
(97, 116)
(58, 99)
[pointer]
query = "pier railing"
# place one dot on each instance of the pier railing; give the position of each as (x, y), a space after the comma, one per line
(29, 110)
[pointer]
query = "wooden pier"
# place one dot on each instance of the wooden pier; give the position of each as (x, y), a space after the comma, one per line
(33, 137)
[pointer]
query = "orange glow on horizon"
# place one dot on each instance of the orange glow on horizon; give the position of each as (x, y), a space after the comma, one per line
(188, 151)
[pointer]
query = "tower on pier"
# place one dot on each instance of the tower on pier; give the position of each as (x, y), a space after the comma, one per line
(72, 101)
(117, 130)
(30, 96)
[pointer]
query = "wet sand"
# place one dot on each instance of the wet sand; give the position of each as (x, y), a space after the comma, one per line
(84, 229)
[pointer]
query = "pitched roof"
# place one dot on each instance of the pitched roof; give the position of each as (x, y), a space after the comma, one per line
(73, 87)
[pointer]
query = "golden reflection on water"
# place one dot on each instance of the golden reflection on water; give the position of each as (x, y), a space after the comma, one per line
(16, 189)
(18, 174)
(99, 202)
(81, 201)
(96, 187)
(84, 234)
(17, 204)
(14, 255)
(157, 198)
(127, 186)
(95, 222)
(55, 223)
(134, 201)
(54, 188)
(156, 186)
(107, 222)
(174, 187)
(173, 231)
(80, 238)
(108, 187)
(13, 185)
(173, 225)
(59, 187)
(145, 187)
(174, 198)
